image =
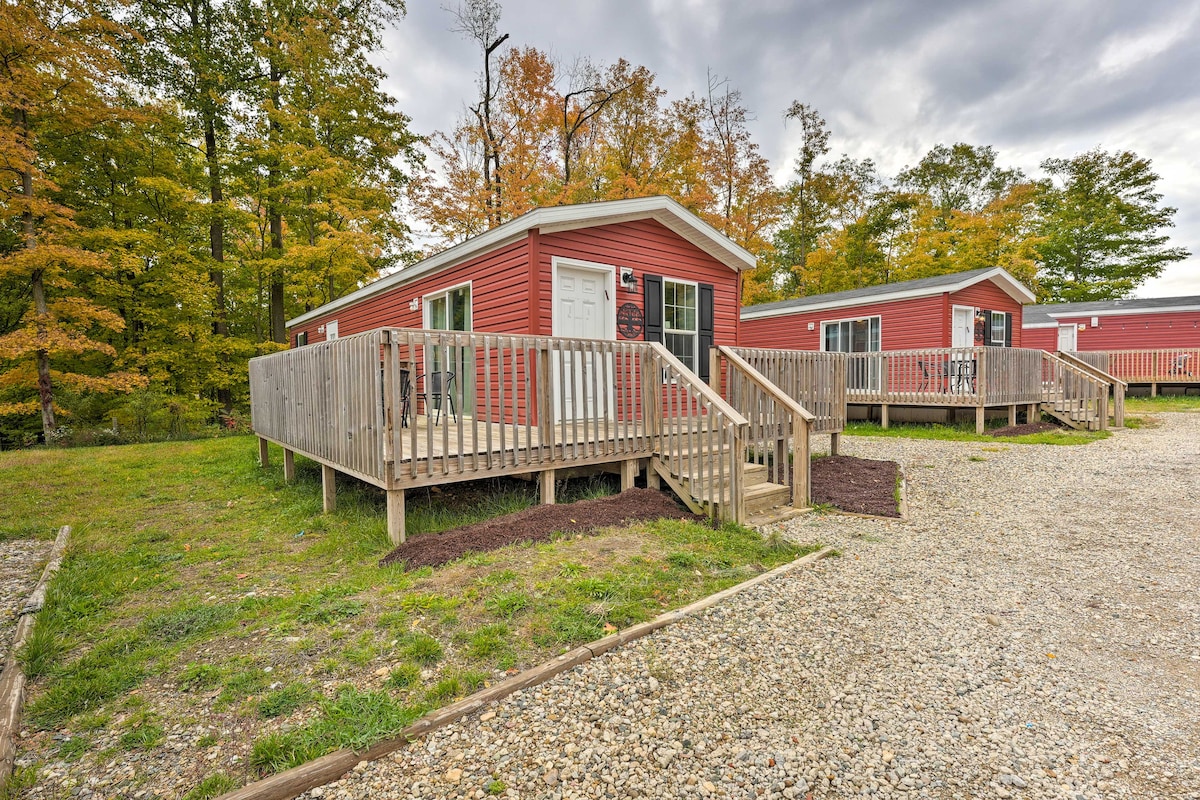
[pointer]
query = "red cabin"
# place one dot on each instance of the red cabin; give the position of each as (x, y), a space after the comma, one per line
(964, 309)
(644, 269)
(1154, 323)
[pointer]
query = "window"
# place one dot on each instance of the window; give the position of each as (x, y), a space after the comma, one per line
(999, 325)
(301, 338)
(331, 330)
(680, 329)
(449, 310)
(851, 335)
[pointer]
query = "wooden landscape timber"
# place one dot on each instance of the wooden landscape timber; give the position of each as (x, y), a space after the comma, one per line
(318, 772)
(12, 682)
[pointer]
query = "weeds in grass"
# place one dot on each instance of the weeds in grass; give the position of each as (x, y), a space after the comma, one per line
(206, 740)
(42, 650)
(74, 747)
(489, 641)
(495, 787)
(569, 569)
(194, 677)
(110, 669)
(403, 676)
(421, 648)
(976, 458)
(284, 701)
(419, 602)
(142, 735)
(507, 605)
(353, 719)
(214, 785)
(22, 779)
(443, 690)
(964, 433)
(184, 623)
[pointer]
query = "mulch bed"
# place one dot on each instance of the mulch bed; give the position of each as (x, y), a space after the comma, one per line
(537, 524)
(1021, 430)
(853, 484)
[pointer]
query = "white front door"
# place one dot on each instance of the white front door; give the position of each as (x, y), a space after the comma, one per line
(583, 309)
(1067, 338)
(962, 330)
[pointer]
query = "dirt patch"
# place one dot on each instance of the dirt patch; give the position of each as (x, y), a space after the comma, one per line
(536, 524)
(1022, 430)
(853, 484)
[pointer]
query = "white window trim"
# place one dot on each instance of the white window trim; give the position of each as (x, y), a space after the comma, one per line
(826, 322)
(676, 332)
(1003, 317)
(425, 298)
(610, 287)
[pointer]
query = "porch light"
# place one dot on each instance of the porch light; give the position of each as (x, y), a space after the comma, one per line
(628, 279)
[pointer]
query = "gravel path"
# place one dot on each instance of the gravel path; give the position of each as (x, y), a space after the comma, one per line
(21, 563)
(1032, 632)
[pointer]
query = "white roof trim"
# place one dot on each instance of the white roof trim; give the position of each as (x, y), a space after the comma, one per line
(550, 219)
(1120, 312)
(1040, 325)
(1011, 286)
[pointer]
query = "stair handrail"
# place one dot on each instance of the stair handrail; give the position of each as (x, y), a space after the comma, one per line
(711, 486)
(801, 420)
(1118, 386)
(1101, 386)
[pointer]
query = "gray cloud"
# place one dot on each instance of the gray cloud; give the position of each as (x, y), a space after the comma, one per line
(891, 77)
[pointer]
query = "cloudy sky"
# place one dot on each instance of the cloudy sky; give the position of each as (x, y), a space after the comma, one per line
(1032, 78)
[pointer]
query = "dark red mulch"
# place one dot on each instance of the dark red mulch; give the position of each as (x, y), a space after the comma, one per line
(859, 485)
(1021, 430)
(536, 524)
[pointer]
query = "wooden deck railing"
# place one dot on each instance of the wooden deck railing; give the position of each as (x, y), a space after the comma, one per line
(1074, 390)
(945, 376)
(1118, 386)
(1177, 365)
(401, 407)
(816, 381)
(779, 428)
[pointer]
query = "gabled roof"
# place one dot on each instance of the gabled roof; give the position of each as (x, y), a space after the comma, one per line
(921, 287)
(551, 220)
(1046, 316)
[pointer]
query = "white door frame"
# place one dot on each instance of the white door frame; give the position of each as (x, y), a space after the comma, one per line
(610, 287)
(954, 325)
(1074, 338)
(610, 321)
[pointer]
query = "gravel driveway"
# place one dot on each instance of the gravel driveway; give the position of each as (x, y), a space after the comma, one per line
(1032, 632)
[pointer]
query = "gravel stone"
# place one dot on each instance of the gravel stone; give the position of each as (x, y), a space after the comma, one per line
(1032, 632)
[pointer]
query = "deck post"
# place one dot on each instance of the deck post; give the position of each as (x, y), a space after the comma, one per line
(883, 414)
(395, 515)
(835, 443)
(546, 483)
(653, 479)
(1012, 414)
(328, 489)
(979, 419)
(629, 471)
(289, 465)
(1033, 413)
(263, 459)
(1154, 390)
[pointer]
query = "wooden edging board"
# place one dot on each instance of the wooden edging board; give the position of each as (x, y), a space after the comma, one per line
(318, 772)
(12, 681)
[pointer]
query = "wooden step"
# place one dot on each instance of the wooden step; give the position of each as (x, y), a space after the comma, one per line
(765, 496)
(774, 516)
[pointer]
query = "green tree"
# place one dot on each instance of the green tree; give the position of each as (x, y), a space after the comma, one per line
(55, 59)
(1103, 222)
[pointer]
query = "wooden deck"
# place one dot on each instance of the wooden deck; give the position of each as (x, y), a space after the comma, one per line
(365, 405)
(1175, 367)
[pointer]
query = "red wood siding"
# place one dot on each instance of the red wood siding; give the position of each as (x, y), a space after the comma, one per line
(989, 296)
(649, 248)
(1151, 331)
(903, 324)
(497, 279)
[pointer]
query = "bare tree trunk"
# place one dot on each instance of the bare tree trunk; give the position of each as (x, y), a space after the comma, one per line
(41, 311)
(216, 243)
(274, 212)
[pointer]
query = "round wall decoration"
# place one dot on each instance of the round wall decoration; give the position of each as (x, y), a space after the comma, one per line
(630, 321)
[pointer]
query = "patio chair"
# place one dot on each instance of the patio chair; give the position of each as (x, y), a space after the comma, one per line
(927, 375)
(435, 386)
(405, 398)
(1180, 366)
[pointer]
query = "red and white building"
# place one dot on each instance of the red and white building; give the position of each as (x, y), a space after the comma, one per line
(965, 309)
(645, 269)
(1155, 323)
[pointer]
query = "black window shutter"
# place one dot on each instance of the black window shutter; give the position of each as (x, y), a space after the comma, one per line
(653, 297)
(706, 330)
(987, 326)
(1008, 329)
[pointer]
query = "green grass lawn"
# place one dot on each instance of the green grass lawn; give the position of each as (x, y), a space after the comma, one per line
(966, 433)
(1149, 405)
(199, 586)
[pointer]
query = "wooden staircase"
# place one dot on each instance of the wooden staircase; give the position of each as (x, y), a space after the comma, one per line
(1077, 414)
(763, 502)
